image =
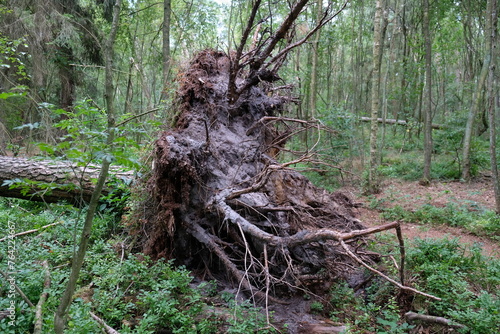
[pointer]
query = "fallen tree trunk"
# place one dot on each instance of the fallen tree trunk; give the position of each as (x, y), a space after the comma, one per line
(51, 181)
(398, 122)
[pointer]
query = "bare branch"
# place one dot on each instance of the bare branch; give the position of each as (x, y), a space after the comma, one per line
(387, 278)
(235, 62)
(29, 231)
(324, 20)
(413, 317)
(18, 289)
(43, 297)
(107, 328)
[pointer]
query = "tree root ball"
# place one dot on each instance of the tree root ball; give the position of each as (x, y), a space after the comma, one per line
(221, 204)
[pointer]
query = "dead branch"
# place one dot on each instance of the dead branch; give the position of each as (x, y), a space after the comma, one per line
(415, 317)
(43, 297)
(107, 328)
(307, 237)
(235, 62)
(387, 278)
(398, 122)
(324, 20)
(257, 73)
(402, 253)
(29, 231)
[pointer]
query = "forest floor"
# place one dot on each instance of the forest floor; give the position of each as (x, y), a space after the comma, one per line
(475, 196)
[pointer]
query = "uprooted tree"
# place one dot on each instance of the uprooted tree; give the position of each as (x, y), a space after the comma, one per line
(218, 199)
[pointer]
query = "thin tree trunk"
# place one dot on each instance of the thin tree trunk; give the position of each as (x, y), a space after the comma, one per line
(491, 102)
(477, 98)
(167, 10)
(373, 181)
(313, 87)
(427, 96)
(62, 310)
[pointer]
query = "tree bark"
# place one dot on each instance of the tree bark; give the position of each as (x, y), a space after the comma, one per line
(313, 88)
(167, 10)
(51, 181)
(373, 182)
(491, 101)
(430, 319)
(427, 96)
(477, 97)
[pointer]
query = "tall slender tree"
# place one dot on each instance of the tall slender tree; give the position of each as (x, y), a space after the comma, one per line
(167, 11)
(427, 95)
(492, 35)
(477, 98)
(373, 182)
(313, 87)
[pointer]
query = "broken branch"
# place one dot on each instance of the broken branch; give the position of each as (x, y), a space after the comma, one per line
(43, 297)
(414, 317)
(29, 231)
(107, 328)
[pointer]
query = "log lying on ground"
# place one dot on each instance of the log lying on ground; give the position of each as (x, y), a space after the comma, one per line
(397, 122)
(51, 181)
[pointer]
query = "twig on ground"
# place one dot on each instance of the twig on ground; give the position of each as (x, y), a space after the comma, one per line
(107, 328)
(43, 298)
(19, 291)
(29, 231)
(413, 317)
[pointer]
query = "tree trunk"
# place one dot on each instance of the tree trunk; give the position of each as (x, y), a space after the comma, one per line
(477, 98)
(427, 95)
(51, 181)
(491, 101)
(313, 88)
(166, 45)
(373, 179)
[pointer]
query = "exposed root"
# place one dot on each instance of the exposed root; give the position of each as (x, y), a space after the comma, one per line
(221, 203)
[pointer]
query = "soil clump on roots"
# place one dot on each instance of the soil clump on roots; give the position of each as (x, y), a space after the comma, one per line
(222, 205)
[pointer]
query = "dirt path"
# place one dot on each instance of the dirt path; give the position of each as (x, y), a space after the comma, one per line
(475, 196)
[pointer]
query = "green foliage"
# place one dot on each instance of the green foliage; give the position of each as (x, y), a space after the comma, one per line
(480, 222)
(84, 132)
(129, 291)
(316, 307)
(377, 312)
(465, 280)
(453, 272)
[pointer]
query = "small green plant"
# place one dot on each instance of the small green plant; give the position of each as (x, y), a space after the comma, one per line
(454, 272)
(317, 307)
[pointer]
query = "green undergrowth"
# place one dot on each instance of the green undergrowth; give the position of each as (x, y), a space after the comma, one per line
(481, 222)
(130, 292)
(134, 294)
(466, 281)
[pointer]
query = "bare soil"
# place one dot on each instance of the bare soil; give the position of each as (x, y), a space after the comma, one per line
(475, 196)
